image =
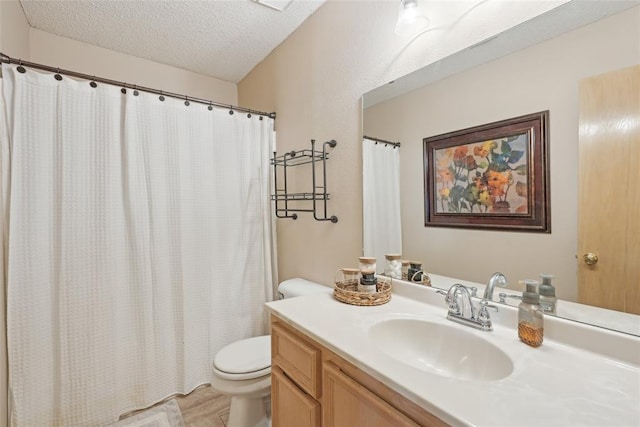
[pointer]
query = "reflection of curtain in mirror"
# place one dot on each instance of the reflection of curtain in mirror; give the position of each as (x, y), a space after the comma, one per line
(381, 200)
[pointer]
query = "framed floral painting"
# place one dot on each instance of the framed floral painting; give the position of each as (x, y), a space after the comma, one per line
(493, 176)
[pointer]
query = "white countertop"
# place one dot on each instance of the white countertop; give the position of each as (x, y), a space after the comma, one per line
(562, 383)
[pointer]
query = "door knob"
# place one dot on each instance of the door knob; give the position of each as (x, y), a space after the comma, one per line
(590, 258)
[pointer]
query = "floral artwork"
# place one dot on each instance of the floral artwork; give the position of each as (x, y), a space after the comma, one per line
(487, 177)
(491, 176)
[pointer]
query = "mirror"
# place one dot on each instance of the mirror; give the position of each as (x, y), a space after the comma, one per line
(532, 67)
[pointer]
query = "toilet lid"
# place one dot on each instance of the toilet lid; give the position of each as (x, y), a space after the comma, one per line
(244, 356)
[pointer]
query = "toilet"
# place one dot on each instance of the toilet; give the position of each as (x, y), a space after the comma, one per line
(242, 369)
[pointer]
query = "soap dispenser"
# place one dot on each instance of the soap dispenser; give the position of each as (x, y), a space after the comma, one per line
(530, 317)
(547, 294)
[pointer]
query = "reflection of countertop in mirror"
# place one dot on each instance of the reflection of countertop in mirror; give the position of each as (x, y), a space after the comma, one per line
(566, 381)
(614, 320)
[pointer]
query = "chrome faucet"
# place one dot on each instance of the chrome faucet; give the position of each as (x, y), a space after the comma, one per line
(502, 297)
(459, 300)
(462, 310)
(497, 279)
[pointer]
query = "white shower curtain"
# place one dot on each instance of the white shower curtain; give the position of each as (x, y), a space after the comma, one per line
(382, 231)
(139, 243)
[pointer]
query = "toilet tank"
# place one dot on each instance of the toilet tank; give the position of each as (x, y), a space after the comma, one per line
(298, 287)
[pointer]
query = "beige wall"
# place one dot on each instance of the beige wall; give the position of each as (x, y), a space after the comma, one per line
(70, 54)
(314, 81)
(543, 77)
(14, 30)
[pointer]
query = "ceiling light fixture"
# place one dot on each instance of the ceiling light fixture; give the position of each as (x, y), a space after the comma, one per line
(411, 18)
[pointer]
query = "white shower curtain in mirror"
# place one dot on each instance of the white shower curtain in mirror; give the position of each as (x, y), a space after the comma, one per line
(138, 236)
(382, 231)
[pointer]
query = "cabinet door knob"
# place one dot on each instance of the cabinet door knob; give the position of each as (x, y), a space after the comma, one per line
(590, 258)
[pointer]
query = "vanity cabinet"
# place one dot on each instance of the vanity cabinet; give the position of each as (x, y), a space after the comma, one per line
(313, 386)
(290, 405)
(295, 378)
(347, 403)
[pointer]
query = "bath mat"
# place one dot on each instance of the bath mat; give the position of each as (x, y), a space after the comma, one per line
(165, 415)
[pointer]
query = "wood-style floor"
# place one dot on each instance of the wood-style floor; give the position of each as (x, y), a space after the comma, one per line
(203, 407)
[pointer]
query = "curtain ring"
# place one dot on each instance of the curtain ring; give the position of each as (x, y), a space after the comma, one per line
(249, 114)
(186, 100)
(210, 107)
(20, 68)
(231, 110)
(57, 76)
(135, 92)
(161, 97)
(93, 83)
(124, 87)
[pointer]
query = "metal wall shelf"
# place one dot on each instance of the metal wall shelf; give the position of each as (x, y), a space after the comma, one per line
(287, 203)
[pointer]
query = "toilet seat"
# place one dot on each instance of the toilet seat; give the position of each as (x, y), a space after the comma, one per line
(245, 359)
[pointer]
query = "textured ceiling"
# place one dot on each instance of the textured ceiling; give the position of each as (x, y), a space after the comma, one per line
(224, 39)
(563, 18)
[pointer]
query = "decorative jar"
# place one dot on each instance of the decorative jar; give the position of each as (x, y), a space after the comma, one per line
(393, 267)
(367, 263)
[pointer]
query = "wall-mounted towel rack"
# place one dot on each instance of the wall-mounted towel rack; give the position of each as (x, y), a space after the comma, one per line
(287, 204)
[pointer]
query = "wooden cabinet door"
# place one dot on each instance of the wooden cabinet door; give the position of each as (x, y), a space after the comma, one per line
(297, 357)
(346, 403)
(291, 407)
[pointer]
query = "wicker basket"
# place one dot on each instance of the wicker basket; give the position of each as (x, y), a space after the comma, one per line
(347, 291)
(426, 280)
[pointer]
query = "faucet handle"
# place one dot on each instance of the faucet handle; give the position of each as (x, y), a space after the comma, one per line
(483, 312)
(451, 301)
(503, 297)
(452, 298)
(454, 307)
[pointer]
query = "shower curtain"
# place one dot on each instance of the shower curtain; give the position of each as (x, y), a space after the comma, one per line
(138, 243)
(382, 230)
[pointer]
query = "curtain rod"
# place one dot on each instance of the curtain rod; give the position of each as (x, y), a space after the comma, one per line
(187, 99)
(382, 141)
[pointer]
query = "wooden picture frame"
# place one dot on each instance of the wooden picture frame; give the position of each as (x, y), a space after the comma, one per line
(494, 176)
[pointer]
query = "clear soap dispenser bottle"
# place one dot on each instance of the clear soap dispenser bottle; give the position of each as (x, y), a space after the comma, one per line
(530, 317)
(547, 294)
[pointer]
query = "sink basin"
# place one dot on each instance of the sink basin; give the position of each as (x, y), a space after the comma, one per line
(444, 350)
